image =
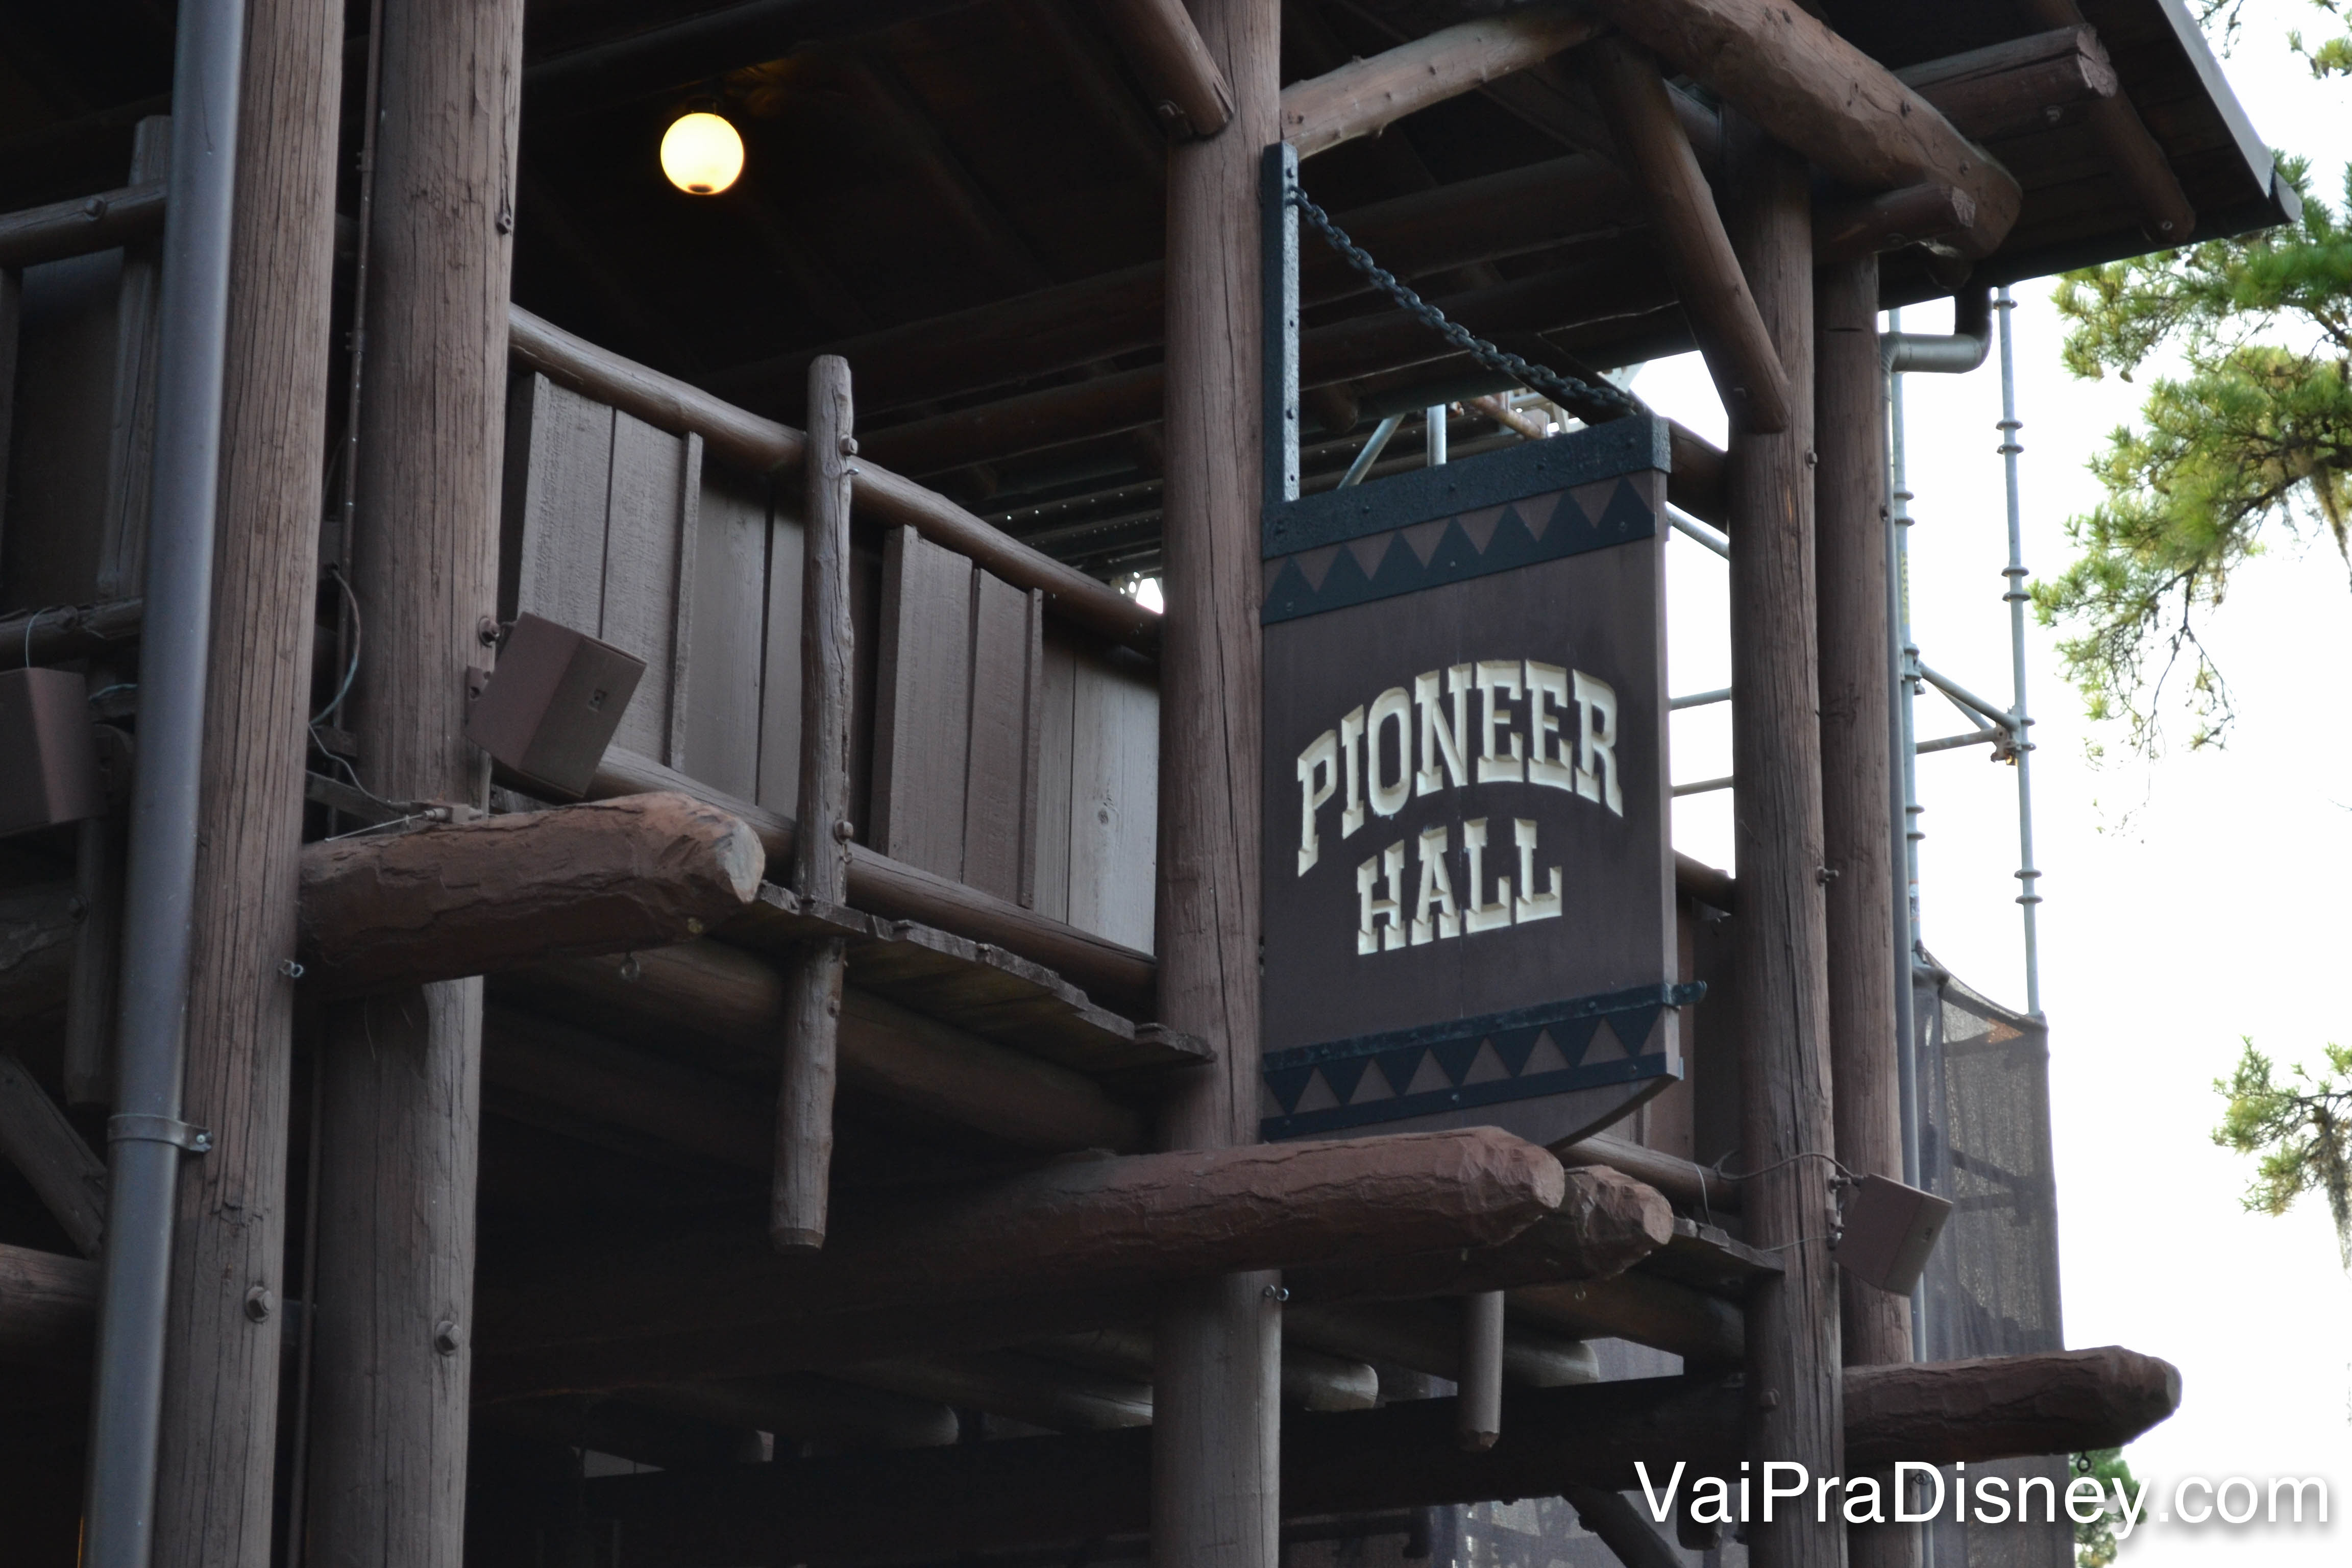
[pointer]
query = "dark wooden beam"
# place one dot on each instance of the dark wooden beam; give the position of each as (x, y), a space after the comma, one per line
(1187, 87)
(811, 1012)
(1642, 1307)
(1784, 1048)
(36, 1138)
(47, 1303)
(936, 1505)
(2136, 156)
(401, 1073)
(502, 892)
(695, 1306)
(2018, 87)
(1816, 93)
(1732, 337)
(1365, 97)
(83, 225)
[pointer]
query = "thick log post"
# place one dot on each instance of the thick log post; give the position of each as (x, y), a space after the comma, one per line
(1216, 1433)
(1478, 1413)
(812, 1011)
(401, 1095)
(219, 1441)
(1732, 337)
(1786, 1136)
(1857, 688)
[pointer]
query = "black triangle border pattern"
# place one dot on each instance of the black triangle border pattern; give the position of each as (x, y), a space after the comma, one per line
(1399, 1055)
(1625, 518)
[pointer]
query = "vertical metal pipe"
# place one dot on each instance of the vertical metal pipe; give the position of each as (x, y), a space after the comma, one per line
(2029, 878)
(145, 1136)
(1906, 825)
(1435, 417)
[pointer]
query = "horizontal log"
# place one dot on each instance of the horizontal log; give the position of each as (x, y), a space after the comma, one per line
(1848, 231)
(1187, 93)
(1605, 1222)
(78, 227)
(1049, 1492)
(879, 885)
(2016, 86)
(804, 1408)
(35, 1137)
(758, 445)
(885, 1050)
(1685, 1181)
(1815, 92)
(54, 634)
(1016, 1387)
(1311, 1379)
(1703, 1330)
(503, 892)
(1426, 1336)
(1365, 97)
(726, 1305)
(47, 1303)
(654, 1104)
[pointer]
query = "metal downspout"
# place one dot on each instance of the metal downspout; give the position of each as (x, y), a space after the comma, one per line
(145, 1136)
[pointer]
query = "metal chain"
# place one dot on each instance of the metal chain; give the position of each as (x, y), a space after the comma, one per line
(1560, 388)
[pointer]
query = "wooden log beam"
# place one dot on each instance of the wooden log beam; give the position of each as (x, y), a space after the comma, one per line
(1816, 93)
(810, 1014)
(1001, 1497)
(1441, 1338)
(1732, 337)
(503, 892)
(885, 1050)
(38, 926)
(47, 1306)
(745, 441)
(1782, 969)
(1098, 1227)
(2017, 87)
(1364, 97)
(83, 225)
(1853, 599)
(1606, 1223)
(1188, 90)
(1704, 1330)
(1684, 1181)
(1010, 1384)
(36, 1138)
(1852, 230)
(2165, 210)
(896, 890)
(400, 1095)
(54, 634)
(1309, 1379)
(649, 1103)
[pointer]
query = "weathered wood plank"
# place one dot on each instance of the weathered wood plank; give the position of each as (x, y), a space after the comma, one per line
(730, 576)
(1057, 696)
(1114, 801)
(567, 493)
(681, 634)
(638, 598)
(999, 777)
(923, 705)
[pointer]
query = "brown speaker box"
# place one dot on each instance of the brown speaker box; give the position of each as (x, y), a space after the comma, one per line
(1890, 1230)
(549, 708)
(48, 751)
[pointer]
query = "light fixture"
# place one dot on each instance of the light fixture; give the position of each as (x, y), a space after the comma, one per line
(701, 154)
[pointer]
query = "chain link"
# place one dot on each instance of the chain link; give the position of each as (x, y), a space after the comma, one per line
(1562, 389)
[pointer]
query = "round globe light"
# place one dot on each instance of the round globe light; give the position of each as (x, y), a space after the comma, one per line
(701, 154)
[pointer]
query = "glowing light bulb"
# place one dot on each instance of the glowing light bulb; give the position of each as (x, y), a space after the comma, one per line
(701, 154)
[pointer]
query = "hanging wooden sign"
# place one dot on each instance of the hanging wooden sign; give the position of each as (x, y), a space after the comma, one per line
(1469, 879)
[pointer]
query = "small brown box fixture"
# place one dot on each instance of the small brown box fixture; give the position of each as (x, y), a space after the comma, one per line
(1890, 1230)
(49, 753)
(552, 704)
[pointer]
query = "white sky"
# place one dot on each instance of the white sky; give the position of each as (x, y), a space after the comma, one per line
(2186, 902)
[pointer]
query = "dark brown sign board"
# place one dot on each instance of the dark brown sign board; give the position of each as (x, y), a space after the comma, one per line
(1468, 875)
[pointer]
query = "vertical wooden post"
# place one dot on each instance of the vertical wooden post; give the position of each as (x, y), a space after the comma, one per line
(1478, 1408)
(811, 1009)
(217, 1458)
(400, 1071)
(1217, 1354)
(1858, 832)
(1795, 1413)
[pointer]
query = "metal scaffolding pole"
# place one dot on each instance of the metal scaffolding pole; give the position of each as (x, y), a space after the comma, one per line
(2029, 878)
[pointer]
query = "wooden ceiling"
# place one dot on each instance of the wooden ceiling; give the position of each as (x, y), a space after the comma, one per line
(911, 159)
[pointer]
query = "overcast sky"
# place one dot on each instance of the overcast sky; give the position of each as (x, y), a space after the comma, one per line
(2189, 901)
